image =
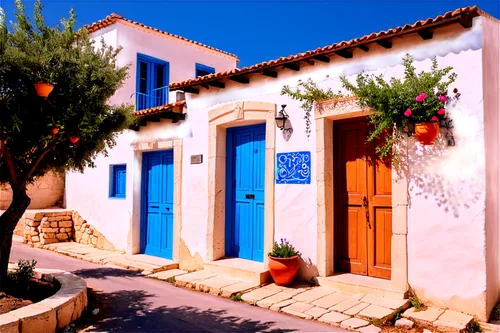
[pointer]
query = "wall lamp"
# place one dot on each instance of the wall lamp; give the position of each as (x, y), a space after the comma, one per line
(282, 118)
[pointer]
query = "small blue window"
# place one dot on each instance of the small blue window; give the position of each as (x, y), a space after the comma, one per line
(117, 180)
(202, 70)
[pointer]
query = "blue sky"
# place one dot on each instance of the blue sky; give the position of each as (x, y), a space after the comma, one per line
(256, 30)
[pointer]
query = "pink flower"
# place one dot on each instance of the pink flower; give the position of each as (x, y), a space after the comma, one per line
(442, 98)
(434, 118)
(421, 97)
(441, 112)
(407, 113)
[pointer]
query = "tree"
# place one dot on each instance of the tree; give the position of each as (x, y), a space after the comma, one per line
(67, 130)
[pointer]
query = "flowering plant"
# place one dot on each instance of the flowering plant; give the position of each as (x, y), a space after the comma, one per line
(283, 250)
(418, 97)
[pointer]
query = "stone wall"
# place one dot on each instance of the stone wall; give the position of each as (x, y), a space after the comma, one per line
(45, 192)
(47, 227)
(88, 234)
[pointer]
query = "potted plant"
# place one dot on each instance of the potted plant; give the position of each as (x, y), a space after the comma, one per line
(417, 101)
(283, 262)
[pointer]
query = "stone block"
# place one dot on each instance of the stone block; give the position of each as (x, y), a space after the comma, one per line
(45, 224)
(330, 300)
(62, 236)
(403, 322)
(237, 288)
(376, 312)
(53, 224)
(53, 219)
(345, 305)
(314, 294)
(64, 314)
(354, 323)
(298, 309)
(461, 319)
(34, 233)
(9, 323)
(316, 312)
(89, 231)
(65, 224)
(46, 230)
(276, 298)
(258, 294)
(278, 306)
(66, 218)
(333, 317)
(50, 235)
(370, 329)
(394, 304)
(44, 219)
(48, 240)
(35, 239)
(68, 229)
(36, 318)
(85, 237)
(94, 241)
(427, 316)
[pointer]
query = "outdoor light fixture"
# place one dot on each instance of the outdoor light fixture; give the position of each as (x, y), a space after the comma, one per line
(281, 118)
(450, 139)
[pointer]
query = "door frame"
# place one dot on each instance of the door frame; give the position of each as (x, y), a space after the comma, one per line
(143, 232)
(325, 114)
(134, 238)
(221, 118)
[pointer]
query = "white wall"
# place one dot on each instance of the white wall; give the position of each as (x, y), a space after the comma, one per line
(446, 238)
(88, 193)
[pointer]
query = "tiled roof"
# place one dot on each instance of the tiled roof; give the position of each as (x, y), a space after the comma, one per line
(160, 109)
(113, 18)
(447, 18)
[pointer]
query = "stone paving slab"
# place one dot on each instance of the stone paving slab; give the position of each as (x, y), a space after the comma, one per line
(370, 329)
(276, 298)
(403, 322)
(237, 288)
(394, 304)
(298, 309)
(427, 316)
(215, 284)
(356, 309)
(354, 323)
(167, 275)
(450, 316)
(280, 305)
(316, 312)
(191, 279)
(330, 300)
(258, 294)
(345, 305)
(313, 294)
(333, 318)
(376, 312)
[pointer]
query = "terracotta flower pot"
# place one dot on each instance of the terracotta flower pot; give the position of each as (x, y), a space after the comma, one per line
(43, 89)
(283, 270)
(427, 132)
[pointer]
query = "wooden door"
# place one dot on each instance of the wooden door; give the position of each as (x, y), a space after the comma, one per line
(245, 173)
(363, 221)
(158, 203)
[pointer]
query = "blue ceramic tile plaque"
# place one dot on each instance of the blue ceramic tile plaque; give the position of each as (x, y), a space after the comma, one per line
(293, 168)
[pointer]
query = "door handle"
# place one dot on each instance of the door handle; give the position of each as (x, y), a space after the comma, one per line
(367, 211)
(154, 206)
(168, 208)
(250, 196)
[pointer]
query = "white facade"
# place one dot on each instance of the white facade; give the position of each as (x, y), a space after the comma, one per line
(88, 193)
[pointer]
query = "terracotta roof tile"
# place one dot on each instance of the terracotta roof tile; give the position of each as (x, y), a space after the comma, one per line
(113, 18)
(160, 109)
(440, 20)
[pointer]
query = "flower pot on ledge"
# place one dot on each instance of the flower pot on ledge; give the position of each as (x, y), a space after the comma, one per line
(427, 132)
(283, 270)
(43, 89)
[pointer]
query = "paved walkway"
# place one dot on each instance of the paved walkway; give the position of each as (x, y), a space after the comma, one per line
(129, 302)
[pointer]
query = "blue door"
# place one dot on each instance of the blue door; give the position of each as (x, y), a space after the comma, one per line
(245, 172)
(157, 225)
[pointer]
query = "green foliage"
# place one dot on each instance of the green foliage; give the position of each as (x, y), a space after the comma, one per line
(85, 76)
(24, 273)
(396, 317)
(237, 298)
(415, 302)
(308, 93)
(474, 327)
(390, 100)
(283, 250)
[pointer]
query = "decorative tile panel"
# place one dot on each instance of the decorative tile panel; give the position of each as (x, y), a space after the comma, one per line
(293, 168)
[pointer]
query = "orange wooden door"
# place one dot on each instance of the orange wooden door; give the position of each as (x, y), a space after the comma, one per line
(363, 222)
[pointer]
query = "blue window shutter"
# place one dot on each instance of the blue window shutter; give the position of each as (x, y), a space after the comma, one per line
(202, 70)
(118, 181)
(152, 82)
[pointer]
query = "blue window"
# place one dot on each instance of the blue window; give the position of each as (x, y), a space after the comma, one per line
(152, 82)
(202, 70)
(117, 180)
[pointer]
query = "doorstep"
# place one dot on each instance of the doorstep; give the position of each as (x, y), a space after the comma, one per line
(240, 269)
(360, 284)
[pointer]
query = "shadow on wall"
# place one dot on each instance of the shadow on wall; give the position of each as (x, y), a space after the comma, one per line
(307, 270)
(451, 176)
(134, 311)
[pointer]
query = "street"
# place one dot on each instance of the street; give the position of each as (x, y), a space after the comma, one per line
(128, 302)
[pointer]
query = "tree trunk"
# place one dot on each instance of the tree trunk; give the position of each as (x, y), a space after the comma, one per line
(8, 222)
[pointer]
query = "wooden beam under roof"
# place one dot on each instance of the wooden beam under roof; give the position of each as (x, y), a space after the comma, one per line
(425, 34)
(270, 73)
(363, 47)
(191, 90)
(292, 66)
(385, 43)
(322, 58)
(240, 79)
(344, 54)
(217, 84)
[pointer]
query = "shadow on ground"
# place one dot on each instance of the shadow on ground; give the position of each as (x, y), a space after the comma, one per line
(105, 272)
(132, 311)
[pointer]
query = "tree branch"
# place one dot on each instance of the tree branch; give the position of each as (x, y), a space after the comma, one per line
(35, 165)
(11, 167)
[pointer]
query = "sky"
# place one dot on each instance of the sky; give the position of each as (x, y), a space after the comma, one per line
(258, 30)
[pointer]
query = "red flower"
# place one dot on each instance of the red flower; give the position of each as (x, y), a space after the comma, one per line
(407, 113)
(434, 118)
(441, 112)
(442, 98)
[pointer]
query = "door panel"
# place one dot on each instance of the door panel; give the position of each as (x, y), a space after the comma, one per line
(245, 180)
(157, 204)
(363, 213)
